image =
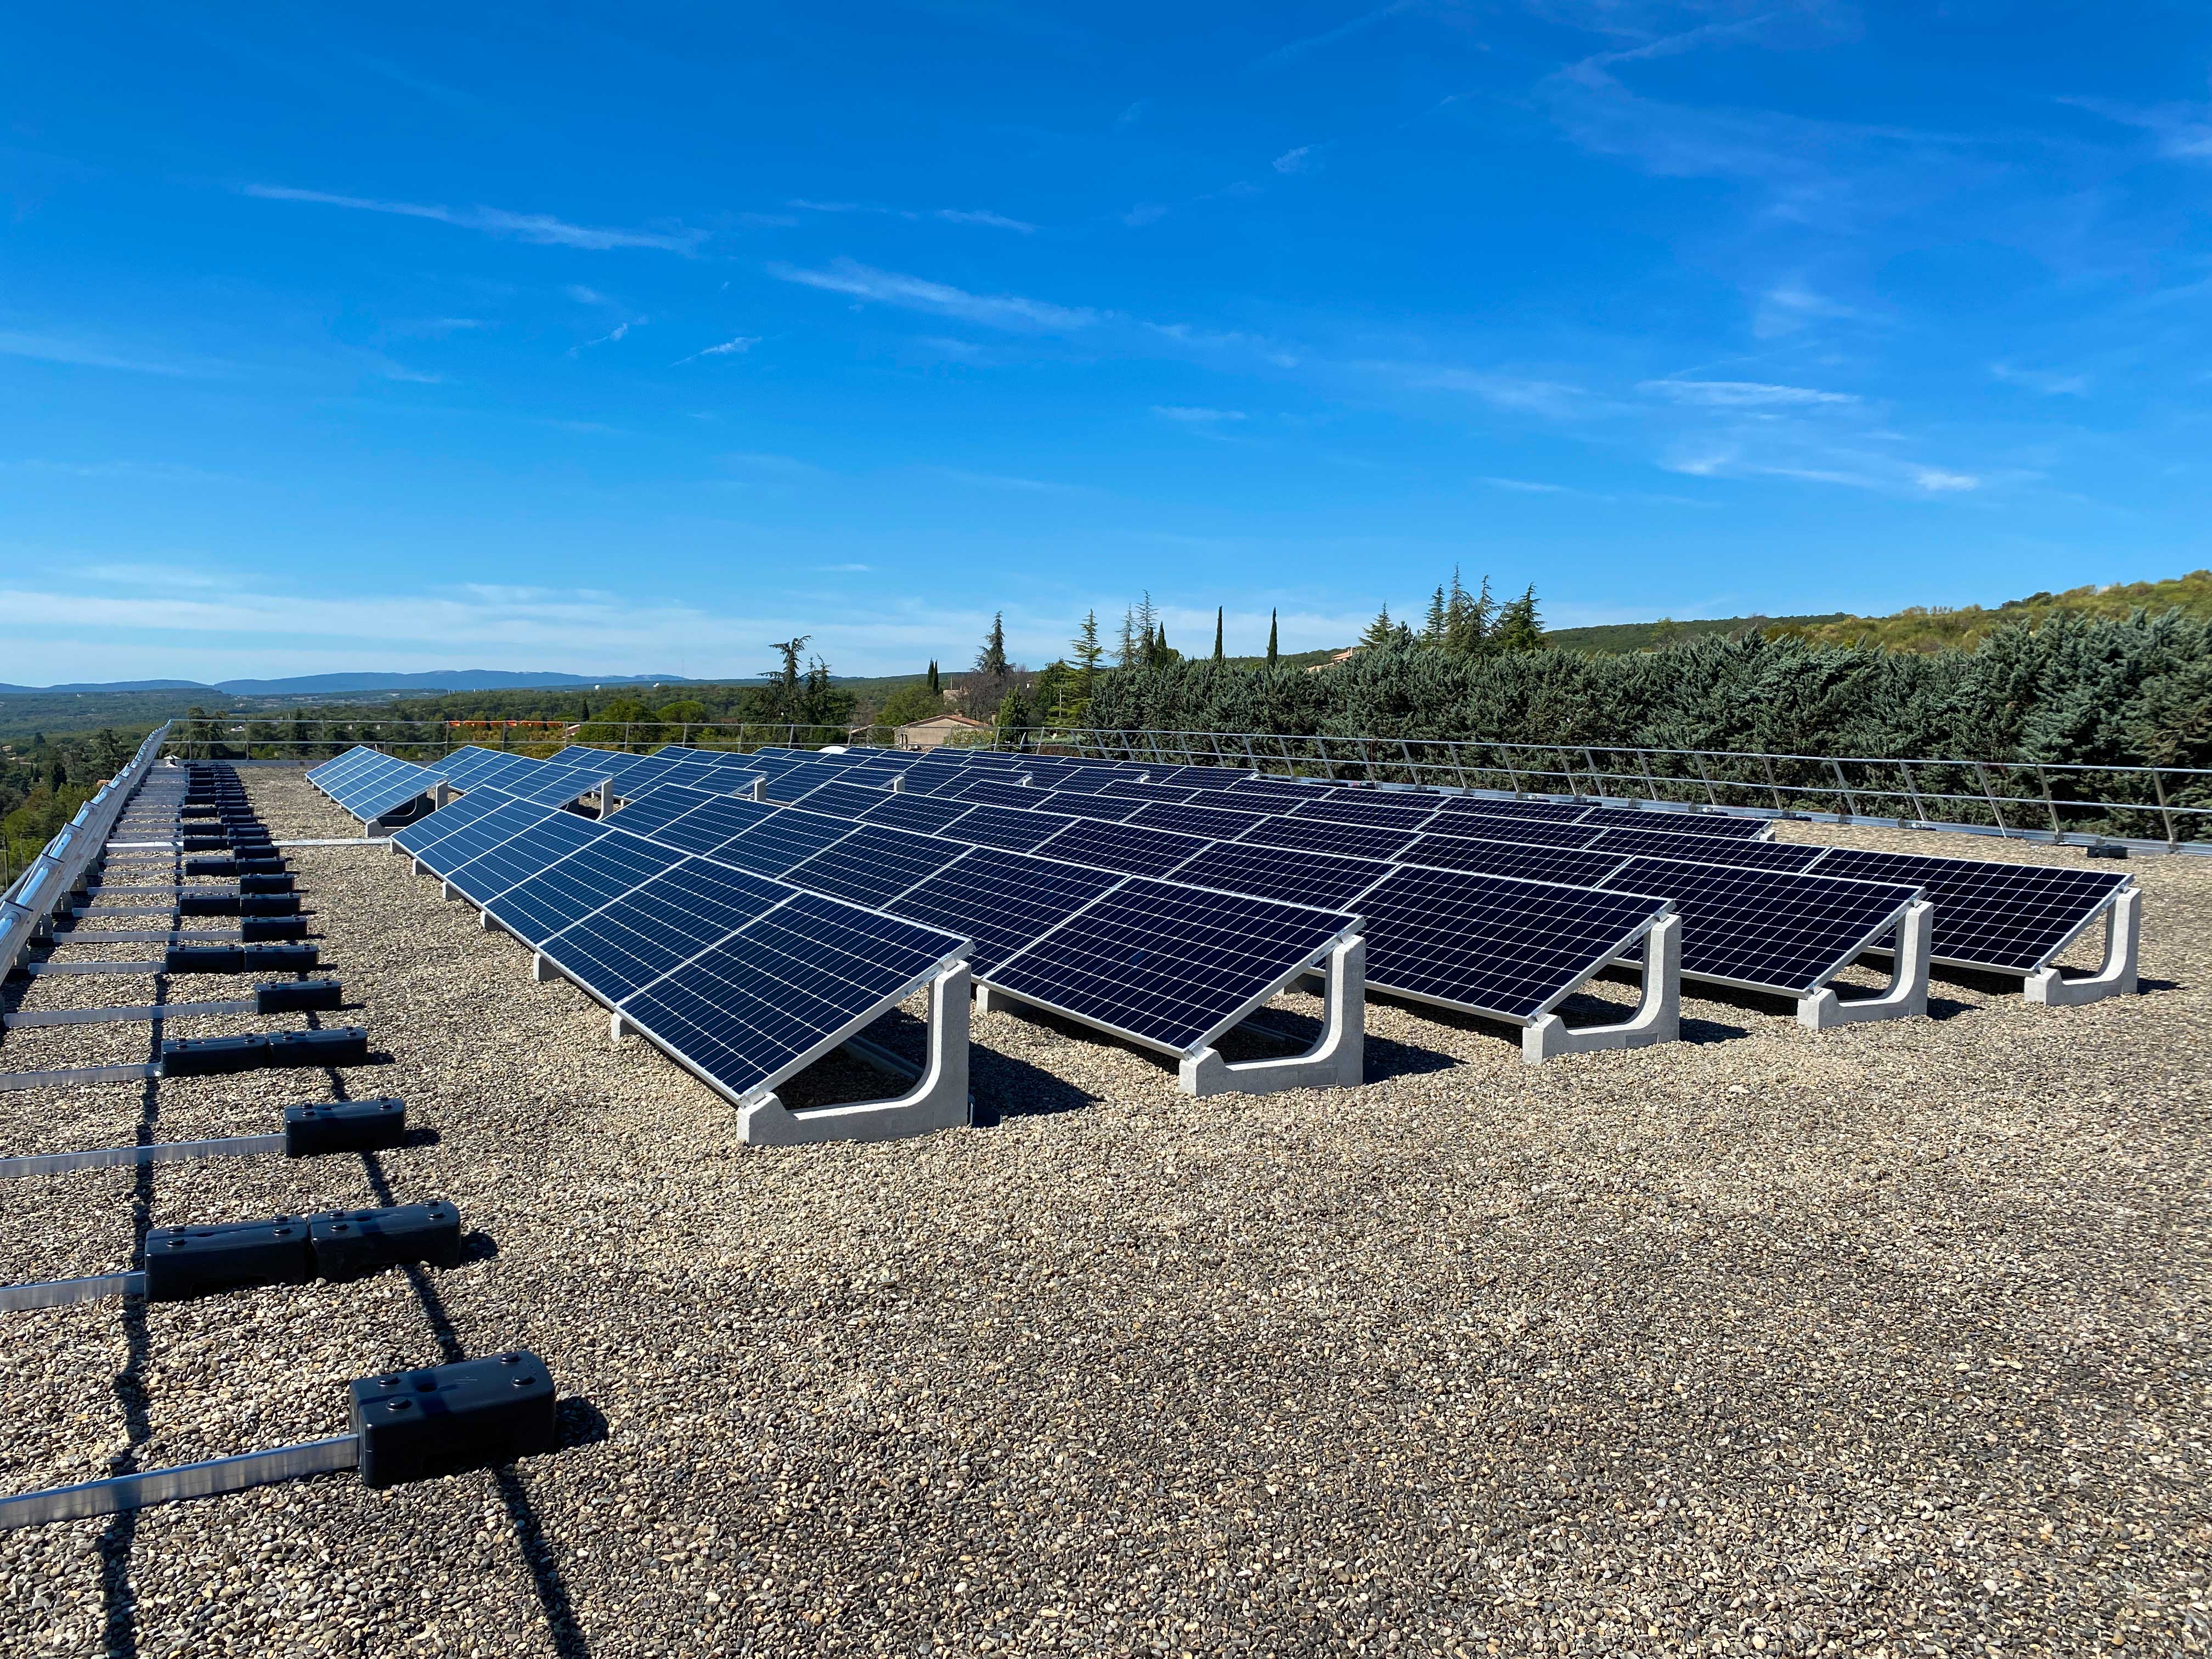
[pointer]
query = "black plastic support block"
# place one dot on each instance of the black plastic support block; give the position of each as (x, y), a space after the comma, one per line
(348, 1242)
(414, 1425)
(298, 996)
(268, 864)
(208, 904)
(347, 1045)
(280, 958)
(203, 959)
(269, 905)
(210, 866)
(2106, 849)
(343, 1126)
(203, 843)
(255, 930)
(207, 1056)
(276, 882)
(198, 809)
(186, 1261)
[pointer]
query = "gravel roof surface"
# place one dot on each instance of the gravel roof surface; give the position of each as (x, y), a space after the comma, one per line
(1883, 1340)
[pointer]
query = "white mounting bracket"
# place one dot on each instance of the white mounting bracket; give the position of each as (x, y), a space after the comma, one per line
(2115, 976)
(937, 1101)
(1907, 994)
(759, 790)
(450, 892)
(1337, 1061)
(1657, 1018)
(542, 968)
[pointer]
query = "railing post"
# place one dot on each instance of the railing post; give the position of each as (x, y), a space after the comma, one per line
(1698, 760)
(1912, 789)
(2043, 778)
(1843, 788)
(1988, 795)
(2166, 812)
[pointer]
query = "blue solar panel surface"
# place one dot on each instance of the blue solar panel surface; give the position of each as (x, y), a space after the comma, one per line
(873, 865)
(774, 844)
(633, 940)
(1768, 929)
(1003, 900)
(588, 878)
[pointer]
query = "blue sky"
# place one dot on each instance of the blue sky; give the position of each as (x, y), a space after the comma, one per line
(632, 339)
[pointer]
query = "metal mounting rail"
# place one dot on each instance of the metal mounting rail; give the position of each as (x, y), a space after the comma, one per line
(137, 1014)
(160, 1152)
(125, 1492)
(69, 1077)
(63, 1292)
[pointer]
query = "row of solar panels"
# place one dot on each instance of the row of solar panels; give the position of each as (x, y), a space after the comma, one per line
(2011, 918)
(665, 935)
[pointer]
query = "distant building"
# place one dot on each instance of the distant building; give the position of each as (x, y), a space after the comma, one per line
(939, 730)
(1342, 656)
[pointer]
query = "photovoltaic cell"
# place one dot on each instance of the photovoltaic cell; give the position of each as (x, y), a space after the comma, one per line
(992, 792)
(1359, 841)
(788, 787)
(1492, 944)
(663, 804)
(755, 1007)
(873, 865)
(593, 876)
(1105, 809)
(841, 798)
(634, 940)
(1550, 811)
(510, 817)
(1383, 813)
(1988, 915)
(1002, 900)
(448, 820)
(1768, 929)
(1499, 858)
(1293, 876)
(1170, 966)
(1121, 847)
(1528, 832)
(1680, 823)
(1130, 789)
(774, 844)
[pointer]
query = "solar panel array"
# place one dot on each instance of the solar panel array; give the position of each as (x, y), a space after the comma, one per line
(368, 785)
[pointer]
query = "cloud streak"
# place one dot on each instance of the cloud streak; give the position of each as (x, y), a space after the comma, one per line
(1003, 311)
(727, 348)
(539, 228)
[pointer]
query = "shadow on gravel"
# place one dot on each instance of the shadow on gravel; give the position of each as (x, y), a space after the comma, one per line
(1005, 1087)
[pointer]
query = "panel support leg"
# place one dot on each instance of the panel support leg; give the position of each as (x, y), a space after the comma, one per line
(541, 970)
(618, 1028)
(2115, 976)
(1906, 993)
(450, 891)
(1338, 1060)
(1657, 1018)
(937, 1101)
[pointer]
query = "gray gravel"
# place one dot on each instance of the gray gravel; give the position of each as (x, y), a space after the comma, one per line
(1884, 1340)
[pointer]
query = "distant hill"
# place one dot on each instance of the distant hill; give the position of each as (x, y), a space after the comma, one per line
(320, 685)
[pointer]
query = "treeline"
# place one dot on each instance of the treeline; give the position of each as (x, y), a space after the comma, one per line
(2074, 689)
(44, 781)
(1937, 628)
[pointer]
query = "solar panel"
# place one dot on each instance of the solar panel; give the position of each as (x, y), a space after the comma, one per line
(1002, 900)
(1529, 832)
(873, 865)
(558, 785)
(788, 786)
(469, 766)
(1767, 930)
(468, 841)
(333, 772)
(1198, 777)
(1680, 823)
(1170, 967)
(2010, 916)
(640, 936)
(522, 855)
(760, 1004)
(1500, 858)
(1359, 841)
(1348, 808)
(993, 792)
(1130, 789)
(774, 844)
(644, 814)
(1209, 822)
(448, 819)
(927, 779)
(1549, 811)
(380, 784)
(713, 821)
(1105, 809)
(1077, 781)
(1490, 944)
(1121, 847)
(923, 814)
(494, 771)
(841, 798)
(1003, 826)
(1709, 849)
(536, 909)
(1292, 876)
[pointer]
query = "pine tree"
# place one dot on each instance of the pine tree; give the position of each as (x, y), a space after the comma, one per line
(1467, 619)
(1271, 638)
(1384, 635)
(1217, 609)
(1434, 629)
(1014, 717)
(1088, 653)
(1131, 653)
(991, 660)
(1519, 627)
(935, 689)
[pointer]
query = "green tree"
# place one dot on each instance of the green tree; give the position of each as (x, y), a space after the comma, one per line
(1468, 619)
(1271, 639)
(1130, 651)
(1014, 717)
(1437, 628)
(915, 700)
(991, 663)
(1217, 609)
(1088, 654)
(936, 690)
(1519, 627)
(1384, 635)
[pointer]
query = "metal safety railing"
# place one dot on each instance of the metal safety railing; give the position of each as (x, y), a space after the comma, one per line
(2148, 805)
(241, 738)
(49, 879)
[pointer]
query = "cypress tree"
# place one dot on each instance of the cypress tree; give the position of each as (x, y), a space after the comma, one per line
(1271, 638)
(935, 689)
(1217, 632)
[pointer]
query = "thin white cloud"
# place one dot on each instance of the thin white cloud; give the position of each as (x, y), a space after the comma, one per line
(984, 216)
(1002, 481)
(842, 569)
(728, 348)
(1191, 416)
(537, 228)
(586, 296)
(2044, 380)
(1528, 487)
(1293, 161)
(1284, 54)
(2184, 130)
(1939, 482)
(1741, 394)
(80, 353)
(1788, 306)
(1006, 311)
(1552, 398)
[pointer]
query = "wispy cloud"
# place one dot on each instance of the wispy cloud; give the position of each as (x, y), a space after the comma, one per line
(619, 331)
(1294, 161)
(2043, 380)
(984, 217)
(79, 352)
(1002, 481)
(1528, 487)
(1187, 416)
(2184, 131)
(1286, 53)
(586, 296)
(842, 570)
(1741, 394)
(1553, 399)
(1788, 306)
(727, 348)
(1006, 311)
(538, 227)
